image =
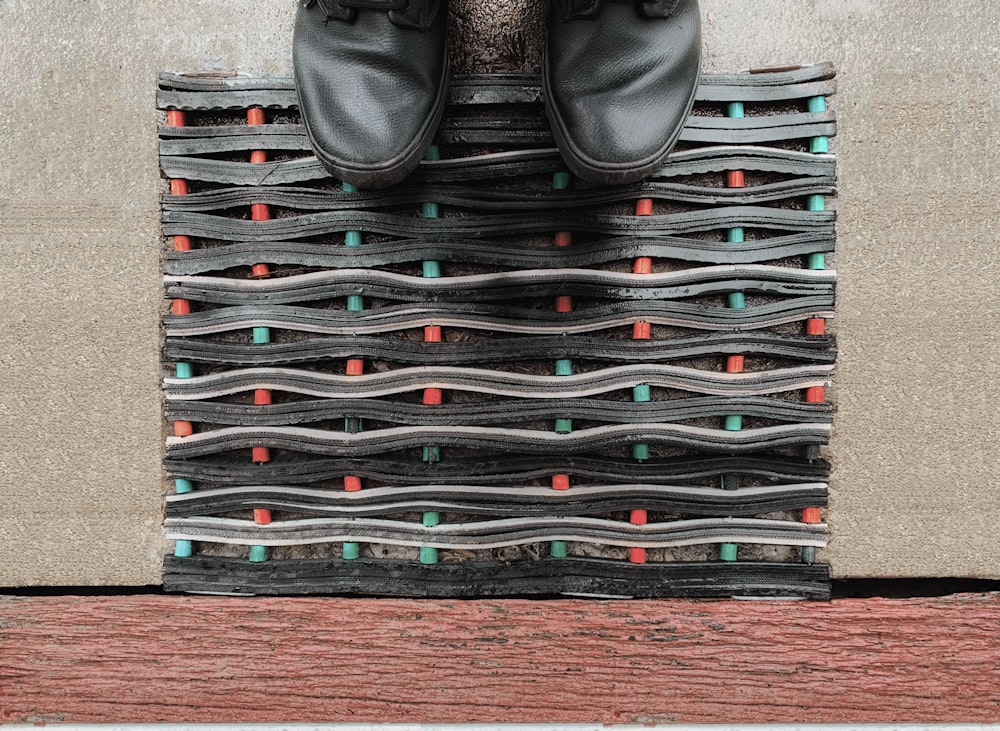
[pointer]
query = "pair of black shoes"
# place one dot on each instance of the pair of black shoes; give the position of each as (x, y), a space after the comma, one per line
(619, 80)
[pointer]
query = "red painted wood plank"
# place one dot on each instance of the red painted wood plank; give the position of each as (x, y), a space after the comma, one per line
(184, 659)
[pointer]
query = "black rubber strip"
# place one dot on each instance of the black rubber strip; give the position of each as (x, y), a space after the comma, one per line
(548, 576)
(496, 253)
(803, 348)
(485, 500)
(507, 287)
(496, 532)
(499, 318)
(500, 470)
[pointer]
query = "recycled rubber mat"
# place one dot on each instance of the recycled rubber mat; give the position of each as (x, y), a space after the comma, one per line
(493, 379)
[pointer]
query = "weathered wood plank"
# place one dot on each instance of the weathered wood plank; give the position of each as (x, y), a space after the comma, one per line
(184, 659)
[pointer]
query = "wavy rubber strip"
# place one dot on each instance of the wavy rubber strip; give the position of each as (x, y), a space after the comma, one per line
(490, 166)
(808, 349)
(496, 439)
(495, 199)
(504, 286)
(499, 318)
(499, 501)
(497, 470)
(523, 88)
(546, 577)
(496, 253)
(504, 411)
(222, 228)
(499, 383)
(483, 534)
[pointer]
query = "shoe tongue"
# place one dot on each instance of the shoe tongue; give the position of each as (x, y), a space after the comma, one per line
(570, 9)
(405, 13)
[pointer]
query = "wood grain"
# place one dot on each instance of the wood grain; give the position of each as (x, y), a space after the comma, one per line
(185, 659)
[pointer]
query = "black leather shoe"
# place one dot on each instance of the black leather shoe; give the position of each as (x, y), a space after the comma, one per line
(619, 80)
(372, 78)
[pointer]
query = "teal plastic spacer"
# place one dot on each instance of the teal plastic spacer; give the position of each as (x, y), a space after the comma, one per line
(261, 335)
(557, 549)
(431, 269)
(736, 235)
(350, 188)
(184, 549)
(735, 109)
(734, 422)
(560, 180)
(640, 452)
(352, 238)
(817, 261)
(258, 554)
(428, 555)
(432, 454)
(351, 551)
(641, 393)
(727, 552)
(564, 367)
(821, 144)
(431, 519)
(430, 210)
(182, 486)
(564, 426)
(433, 153)
(185, 370)
(816, 203)
(737, 301)
(355, 303)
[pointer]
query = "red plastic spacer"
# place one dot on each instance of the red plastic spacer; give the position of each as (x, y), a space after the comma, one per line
(432, 334)
(255, 115)
(183, 428)
(182, 243)
(260, 270)
(643, 265)
(262, 397)
(178, 186)
(815, 395)
(641, 331)
(564, 303)
(563, 238)
(816, 326)
(258, 156)
(644, 207)
(811, 515)
(260, 212)
(180, 307)
(432, 396)
(638, 517)
(735, 363)
(637, 555)
(735, 179)
(355, 366)
(352, 483)
(261, 516)
(259, 455)
(560, 482)
(175, 118)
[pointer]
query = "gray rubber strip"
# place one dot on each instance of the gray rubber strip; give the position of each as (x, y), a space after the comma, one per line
(501, 383)
(483, 534)
(495, 470)
(545, 577)
(804, 348)
(504, 286)
(497, 439)
(496, 253)
(489, 500)
(500, 318)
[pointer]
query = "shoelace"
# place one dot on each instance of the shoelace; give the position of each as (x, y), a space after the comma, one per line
(576, 9)
(402, 13)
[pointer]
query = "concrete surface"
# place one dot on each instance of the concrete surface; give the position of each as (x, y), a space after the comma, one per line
(915, 485)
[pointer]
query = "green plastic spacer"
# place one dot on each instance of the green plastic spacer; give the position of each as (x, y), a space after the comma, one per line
(258, 554)
(640, 452)
(352, 238)
(727, 552)
(557, 549)
(349, 188)
(185, 370)
(431, 269)
(432, 454)
(430, 210)
(641, 393)
(261, 335)
(184, 549)
(351, 551)
(560, 180)
(734, 422)
(564, 426)
(817, 261)
(818, 145)
(429, 555)
(182, 486)
(564, 367)
(355, 303)
(737, 301)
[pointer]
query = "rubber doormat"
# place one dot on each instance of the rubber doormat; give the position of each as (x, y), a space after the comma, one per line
(493, 379)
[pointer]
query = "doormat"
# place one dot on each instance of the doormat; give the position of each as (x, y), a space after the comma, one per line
(493, 379)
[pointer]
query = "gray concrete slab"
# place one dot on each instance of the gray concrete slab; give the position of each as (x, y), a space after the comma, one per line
(915, 486)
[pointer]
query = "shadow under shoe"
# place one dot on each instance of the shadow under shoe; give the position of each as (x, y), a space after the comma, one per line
(619, 81)
(371, 76)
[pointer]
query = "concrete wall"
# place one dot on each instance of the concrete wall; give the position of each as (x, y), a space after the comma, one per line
(915, 484)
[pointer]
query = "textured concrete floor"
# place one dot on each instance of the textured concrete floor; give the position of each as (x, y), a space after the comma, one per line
(915, 484)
